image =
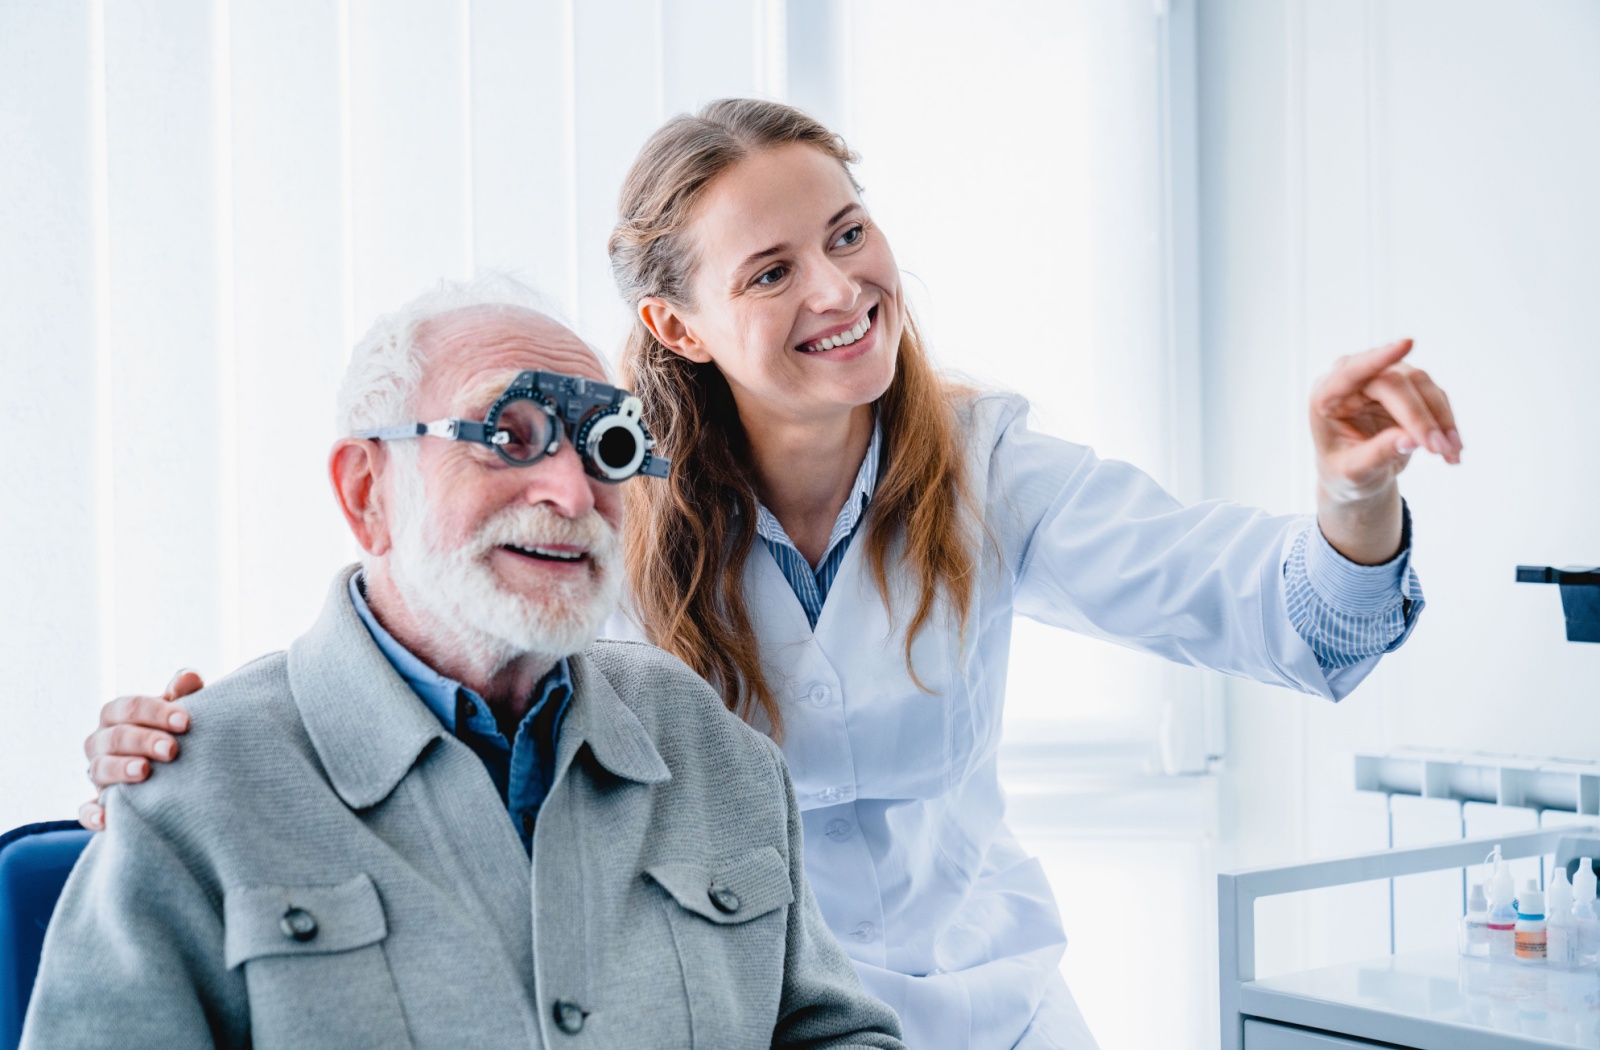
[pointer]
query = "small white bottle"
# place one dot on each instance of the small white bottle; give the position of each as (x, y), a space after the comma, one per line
(1586, 914)
(1532, 942)
(1474, 935)
(1502, 917)
(1560, 927)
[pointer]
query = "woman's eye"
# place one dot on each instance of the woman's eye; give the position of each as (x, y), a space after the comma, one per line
(772, 276)
(850, 237)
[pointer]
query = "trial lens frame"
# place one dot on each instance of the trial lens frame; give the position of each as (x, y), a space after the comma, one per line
(609, 436)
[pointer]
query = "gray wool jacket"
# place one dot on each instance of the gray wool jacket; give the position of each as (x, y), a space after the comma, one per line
(327, 867)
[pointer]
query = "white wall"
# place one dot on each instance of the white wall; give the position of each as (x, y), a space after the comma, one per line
(1377, 170)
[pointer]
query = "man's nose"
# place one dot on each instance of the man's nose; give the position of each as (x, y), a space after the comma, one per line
(560, 481)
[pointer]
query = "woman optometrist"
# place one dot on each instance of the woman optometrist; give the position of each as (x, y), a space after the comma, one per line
(846, 536)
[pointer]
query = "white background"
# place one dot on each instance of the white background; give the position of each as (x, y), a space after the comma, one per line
(1159, 221)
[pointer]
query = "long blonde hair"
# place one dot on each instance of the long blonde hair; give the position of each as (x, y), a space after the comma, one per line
(688, 539)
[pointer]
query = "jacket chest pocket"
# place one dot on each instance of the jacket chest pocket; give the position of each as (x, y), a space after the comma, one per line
(729, 921)
(314, 965)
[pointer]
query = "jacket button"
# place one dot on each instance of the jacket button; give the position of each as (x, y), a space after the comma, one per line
(726, 900)
(298, 925)
(569, 1016)
(821, 695)
(838, 830)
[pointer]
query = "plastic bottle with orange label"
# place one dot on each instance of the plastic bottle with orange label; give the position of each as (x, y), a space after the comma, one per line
(1530, 935)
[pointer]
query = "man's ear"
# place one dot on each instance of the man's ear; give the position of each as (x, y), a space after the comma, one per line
(670, 329)
(354, 466)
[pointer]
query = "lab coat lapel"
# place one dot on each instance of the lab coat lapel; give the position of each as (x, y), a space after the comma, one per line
(846, 593)
(776, 614)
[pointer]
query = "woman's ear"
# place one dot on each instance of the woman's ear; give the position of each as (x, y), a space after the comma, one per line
(354, 466)
(670, 329)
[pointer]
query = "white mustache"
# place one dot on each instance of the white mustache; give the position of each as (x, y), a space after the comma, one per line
(536, 525)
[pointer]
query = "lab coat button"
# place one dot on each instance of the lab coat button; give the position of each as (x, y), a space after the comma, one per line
(298, 924)
(820, 695)
(838, 830)
(865, 932)
(569, 1016)
(725, 899)
(833, 794)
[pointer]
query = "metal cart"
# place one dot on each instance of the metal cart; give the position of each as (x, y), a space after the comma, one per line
(1426, 1001)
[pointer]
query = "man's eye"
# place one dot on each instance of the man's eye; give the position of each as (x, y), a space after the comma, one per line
(773, 276)
(850, 237)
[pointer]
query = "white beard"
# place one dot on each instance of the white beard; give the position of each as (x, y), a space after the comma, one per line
(458, 595)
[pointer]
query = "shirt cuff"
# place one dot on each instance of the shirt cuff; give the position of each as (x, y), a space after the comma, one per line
(1358, 589)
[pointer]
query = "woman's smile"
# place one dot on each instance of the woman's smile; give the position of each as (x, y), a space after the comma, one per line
(851, 340)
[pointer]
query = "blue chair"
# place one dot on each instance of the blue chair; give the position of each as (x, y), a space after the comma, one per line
(35, 861)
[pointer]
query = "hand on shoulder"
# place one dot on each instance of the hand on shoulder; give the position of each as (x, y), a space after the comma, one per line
(133, 732)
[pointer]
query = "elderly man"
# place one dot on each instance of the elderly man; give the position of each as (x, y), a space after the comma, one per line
(446, 817)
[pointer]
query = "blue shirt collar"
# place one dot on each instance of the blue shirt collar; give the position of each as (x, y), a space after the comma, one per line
(437, 691)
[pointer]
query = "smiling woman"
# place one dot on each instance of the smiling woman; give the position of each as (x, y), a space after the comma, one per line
(783, 257)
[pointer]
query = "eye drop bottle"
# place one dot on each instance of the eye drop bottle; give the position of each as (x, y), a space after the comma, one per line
(1531, 937)
(1502, 917)
(1560, 927)
(1586, 914)
(1474, 938)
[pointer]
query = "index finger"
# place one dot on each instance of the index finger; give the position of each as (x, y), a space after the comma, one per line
(150, 711)
(1356, 371)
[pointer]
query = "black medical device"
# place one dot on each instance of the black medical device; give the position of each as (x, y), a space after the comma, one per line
(1580, 597)
(527, 421)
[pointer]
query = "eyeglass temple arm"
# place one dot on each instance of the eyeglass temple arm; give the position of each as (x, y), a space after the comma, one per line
(454, 429)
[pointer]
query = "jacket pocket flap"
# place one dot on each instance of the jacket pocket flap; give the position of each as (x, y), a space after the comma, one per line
(260, 921)
(730, 890)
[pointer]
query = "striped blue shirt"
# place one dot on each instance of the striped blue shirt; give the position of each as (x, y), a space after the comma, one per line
(811, 584)
(1346, 612)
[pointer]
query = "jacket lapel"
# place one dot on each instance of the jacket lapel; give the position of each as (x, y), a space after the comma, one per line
(367, 725)
(616, 737)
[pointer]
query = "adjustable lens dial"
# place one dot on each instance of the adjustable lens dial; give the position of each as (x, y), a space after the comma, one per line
(613, 442)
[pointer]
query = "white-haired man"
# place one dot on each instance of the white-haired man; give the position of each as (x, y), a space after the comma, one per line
(447, 817)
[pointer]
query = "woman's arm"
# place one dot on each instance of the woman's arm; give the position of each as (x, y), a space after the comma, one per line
(133, 732)
(1097, 546)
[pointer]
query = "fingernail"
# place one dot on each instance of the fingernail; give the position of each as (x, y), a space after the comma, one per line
(1455, 438)
(1437, 442)
(178, 720)
(163, 749)
(1405, 446)
(136, 768)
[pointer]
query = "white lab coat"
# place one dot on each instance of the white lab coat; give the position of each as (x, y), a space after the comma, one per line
(945, 916)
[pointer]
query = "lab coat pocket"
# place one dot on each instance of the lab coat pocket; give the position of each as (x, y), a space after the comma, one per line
(314, 965)
(729, 922)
